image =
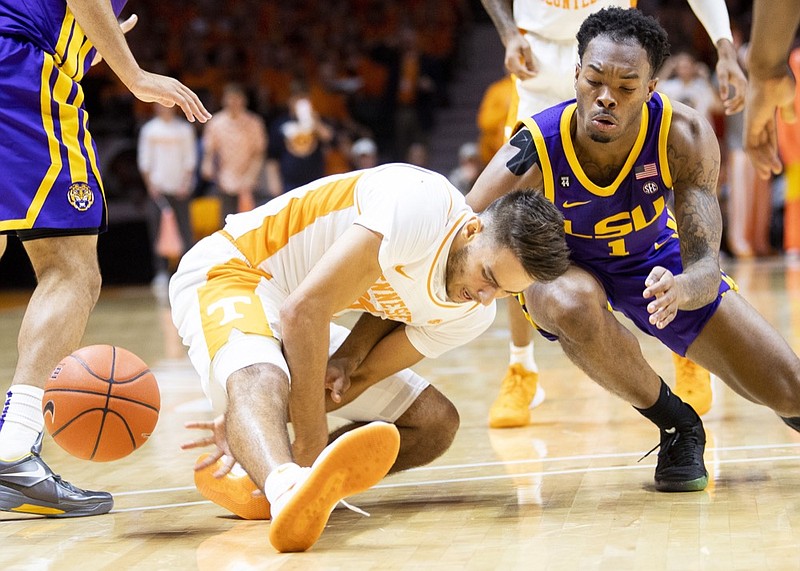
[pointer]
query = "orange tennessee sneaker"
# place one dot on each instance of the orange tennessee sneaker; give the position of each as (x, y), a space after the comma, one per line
(302, 499)
(693, 384)
(519, 392)
(234, 491)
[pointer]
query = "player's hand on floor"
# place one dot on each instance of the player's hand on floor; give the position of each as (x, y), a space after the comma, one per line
(218, 439)
(661, 285)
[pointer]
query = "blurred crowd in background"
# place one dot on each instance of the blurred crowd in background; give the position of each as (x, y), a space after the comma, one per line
(303, 89)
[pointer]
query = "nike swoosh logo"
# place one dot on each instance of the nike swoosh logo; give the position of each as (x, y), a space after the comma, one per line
(38, 473)
(50, 407)
(568, 204)
(657, 245)
(399, 268)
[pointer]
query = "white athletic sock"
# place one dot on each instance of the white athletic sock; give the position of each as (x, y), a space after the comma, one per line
(280, 481)
(523, 356)
(21, 421)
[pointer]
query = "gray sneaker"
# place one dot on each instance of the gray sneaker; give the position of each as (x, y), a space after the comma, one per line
(29, 486)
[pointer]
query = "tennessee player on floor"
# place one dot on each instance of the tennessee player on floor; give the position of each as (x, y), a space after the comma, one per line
(610, 160)
(541, 53)
(52, 200)
(254, 303)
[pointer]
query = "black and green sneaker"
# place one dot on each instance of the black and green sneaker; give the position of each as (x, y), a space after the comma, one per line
(680, 465)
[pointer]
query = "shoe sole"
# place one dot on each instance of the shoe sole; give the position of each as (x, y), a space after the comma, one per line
(13, 501)
(353, 463)
(696, 485)
(234, 493)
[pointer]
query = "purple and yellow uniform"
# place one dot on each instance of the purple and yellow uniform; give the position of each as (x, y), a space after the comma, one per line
(50, 174)
(621, 231)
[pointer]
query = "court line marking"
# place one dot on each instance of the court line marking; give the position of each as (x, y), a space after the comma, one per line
(162, 506)
(587, 470)
(549, 459)
(535, 460)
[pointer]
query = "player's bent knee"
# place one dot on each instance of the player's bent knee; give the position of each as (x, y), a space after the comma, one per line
(261, 381)
(442, 427)
(434, 420)
(571, 312)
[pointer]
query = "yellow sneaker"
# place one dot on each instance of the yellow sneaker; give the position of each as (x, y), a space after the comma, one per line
(693, 384)
(234, 491)
(512, 406)
(305, 497)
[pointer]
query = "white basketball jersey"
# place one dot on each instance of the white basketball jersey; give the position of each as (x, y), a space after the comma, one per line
(417, 212)
(559, 19)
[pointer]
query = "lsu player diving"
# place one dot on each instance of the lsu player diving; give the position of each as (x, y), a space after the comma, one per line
(610, 160)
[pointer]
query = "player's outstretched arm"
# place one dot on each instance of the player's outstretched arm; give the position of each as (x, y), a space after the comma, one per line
(713, 14)
(693, 155)
(101, 27)
(514, 166)
(771, 81)
(519, 58)
(348, 268)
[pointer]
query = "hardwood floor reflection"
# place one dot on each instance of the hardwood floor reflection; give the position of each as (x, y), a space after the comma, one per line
(565, 493)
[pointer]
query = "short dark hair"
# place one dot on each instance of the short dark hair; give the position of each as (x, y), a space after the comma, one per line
(531, 226)
(623, 25)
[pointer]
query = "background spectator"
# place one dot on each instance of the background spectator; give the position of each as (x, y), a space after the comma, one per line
(167, 159)
(234, 141)
(469, 167)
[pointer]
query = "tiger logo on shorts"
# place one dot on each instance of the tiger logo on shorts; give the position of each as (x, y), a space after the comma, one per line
(80, 196)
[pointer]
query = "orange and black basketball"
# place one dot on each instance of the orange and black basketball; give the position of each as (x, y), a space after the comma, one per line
(101, 403)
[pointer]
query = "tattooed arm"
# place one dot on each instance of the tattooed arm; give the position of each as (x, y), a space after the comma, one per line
(516, 165)
(693, 155)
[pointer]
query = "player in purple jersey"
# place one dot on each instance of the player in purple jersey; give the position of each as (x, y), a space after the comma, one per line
(610, 160)
(52, 199)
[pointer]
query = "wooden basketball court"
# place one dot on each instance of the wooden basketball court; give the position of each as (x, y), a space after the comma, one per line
(565, 493)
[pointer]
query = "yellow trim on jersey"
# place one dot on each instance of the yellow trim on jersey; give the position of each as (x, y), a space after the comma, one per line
(52, 142)
(70, 128)
(63, 37)
(577, 169)
(731, 283)
(87, 144)
(544, 158)
(663, 135)
(72, 51)
(446, 239)
(299, 213)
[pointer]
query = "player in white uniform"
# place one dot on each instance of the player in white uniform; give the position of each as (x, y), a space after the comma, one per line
(541, 52)
(254, 303)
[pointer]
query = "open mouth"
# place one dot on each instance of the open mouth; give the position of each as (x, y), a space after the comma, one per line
(604, 121)
(466, 296)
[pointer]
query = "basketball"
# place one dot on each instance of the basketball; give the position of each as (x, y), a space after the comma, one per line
(101, 403)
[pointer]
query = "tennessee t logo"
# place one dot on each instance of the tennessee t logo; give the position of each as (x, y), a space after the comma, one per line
(228, 306)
